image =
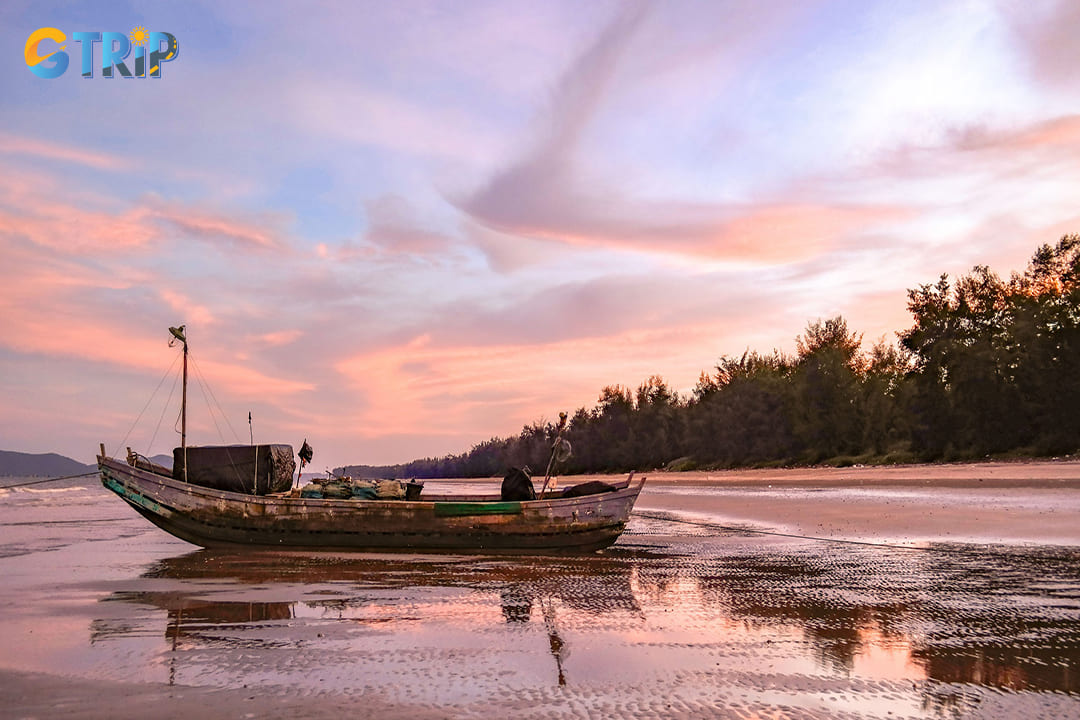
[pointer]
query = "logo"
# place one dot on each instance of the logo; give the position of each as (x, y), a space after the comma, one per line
(151, 49)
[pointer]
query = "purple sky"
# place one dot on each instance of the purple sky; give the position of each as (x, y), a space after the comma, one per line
(398, 229)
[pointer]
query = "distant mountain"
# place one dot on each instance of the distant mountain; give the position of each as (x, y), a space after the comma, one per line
(43, 465)
(162, 459)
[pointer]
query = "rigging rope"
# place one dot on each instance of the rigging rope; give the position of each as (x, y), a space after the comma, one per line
(204, 388)
(150, 400)
(164, 409)
(123, 442)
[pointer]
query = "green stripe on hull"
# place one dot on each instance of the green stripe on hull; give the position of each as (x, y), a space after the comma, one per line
(134, 497)
(454, 509)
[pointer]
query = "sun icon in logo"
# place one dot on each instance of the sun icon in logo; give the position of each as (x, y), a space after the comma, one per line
(138, 36)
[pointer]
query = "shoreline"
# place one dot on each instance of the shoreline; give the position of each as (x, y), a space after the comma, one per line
(1064, 472)
(1050, 472)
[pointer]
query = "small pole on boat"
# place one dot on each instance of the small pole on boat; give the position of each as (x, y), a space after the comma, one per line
(178, 334)
(251, 435)
(305, 454)
(554, 451)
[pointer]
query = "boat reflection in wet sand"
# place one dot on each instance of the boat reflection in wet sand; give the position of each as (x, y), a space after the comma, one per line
(226, 505)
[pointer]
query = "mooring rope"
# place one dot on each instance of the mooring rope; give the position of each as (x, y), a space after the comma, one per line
(89, 473)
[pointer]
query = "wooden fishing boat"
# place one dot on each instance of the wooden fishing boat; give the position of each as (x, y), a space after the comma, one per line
(213, 514)
(483, 523)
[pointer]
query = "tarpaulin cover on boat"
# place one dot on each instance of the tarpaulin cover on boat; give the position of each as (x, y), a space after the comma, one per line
(254, 469)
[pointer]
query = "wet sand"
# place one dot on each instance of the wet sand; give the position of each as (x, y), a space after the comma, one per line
(1017, 502)
(692, 614)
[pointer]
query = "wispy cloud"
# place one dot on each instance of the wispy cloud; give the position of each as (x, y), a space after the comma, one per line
(1057, 134)
(1045, 32)
(462, 387)
(262, 233)
(184, 307)
(70, 228)
(394, 226)
(51, 212)
(276, 339)
(546, 195)
(36, 148)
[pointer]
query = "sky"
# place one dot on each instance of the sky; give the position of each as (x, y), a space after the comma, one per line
(400, 229)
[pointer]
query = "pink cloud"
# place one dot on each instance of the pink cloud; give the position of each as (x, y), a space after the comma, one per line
(246, 381)
(67, 322)
(64, 328)
(186, 308)
(1055, 133)
(21, 145)
(879, 314)
(28, 210)
(505, 252)
(394, 226)
(485, 390)
(780, 232)
(75, 288)
(1007, 153)
(275, 339)
(68, 228)
(260, 233)
(789, 232)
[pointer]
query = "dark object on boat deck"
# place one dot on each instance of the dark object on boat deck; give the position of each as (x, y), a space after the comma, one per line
(413, 489)
(517, 485)
(234, 467)
(592, 487)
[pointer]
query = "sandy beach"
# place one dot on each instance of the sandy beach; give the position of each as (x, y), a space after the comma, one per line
(917, 591)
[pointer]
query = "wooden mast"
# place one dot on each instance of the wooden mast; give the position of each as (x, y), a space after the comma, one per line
(183, 414)
(178, 333)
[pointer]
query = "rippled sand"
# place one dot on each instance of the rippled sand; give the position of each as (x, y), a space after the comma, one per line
(691, 614)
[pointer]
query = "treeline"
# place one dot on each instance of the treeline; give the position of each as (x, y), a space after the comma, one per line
(989, 366)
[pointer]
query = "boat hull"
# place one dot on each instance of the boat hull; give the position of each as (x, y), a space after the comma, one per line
(216, 518)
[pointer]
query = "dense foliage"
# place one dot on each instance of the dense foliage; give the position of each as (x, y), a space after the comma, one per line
(989, 366)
